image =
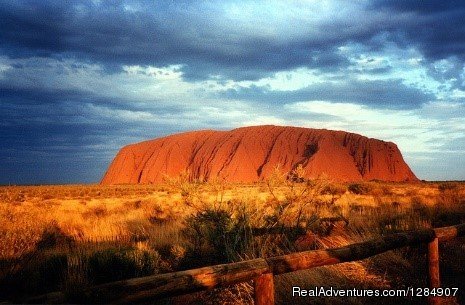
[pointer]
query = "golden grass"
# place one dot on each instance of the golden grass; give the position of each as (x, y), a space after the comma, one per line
(78, 221)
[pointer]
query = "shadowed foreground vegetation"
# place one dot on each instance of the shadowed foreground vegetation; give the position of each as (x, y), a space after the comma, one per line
(68, 238)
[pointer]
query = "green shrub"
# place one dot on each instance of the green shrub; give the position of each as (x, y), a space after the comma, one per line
(216, 236)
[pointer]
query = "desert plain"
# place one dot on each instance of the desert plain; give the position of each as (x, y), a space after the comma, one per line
(70, 237)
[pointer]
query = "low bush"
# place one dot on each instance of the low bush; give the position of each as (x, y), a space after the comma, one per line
(359, 188)
(53, 236)
(116, 264)
(216, 236)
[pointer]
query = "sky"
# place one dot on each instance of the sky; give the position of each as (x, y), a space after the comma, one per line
(80, 79)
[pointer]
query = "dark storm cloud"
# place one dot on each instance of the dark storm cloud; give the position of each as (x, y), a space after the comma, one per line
(40, 147)
(110, 34)
(38, 96)
(182, 33)
(385, 94)
(66, 152)
(67, 136)
(437, 27)
(265, 60)
(161, 34)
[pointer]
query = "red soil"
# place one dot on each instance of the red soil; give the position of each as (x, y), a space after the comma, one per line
(251, 153)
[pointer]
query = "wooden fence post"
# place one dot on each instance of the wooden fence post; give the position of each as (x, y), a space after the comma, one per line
(433, 268)
(264, 289)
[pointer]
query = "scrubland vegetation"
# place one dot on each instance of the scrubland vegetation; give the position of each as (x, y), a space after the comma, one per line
(67, 238)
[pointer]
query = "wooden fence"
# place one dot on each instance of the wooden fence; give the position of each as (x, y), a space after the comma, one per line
(262, 270)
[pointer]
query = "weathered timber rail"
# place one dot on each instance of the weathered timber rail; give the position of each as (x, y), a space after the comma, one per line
(261, 270)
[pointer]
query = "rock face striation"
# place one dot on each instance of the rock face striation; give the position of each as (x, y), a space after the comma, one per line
(251, 154)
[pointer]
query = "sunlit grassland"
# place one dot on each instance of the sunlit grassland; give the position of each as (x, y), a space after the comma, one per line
(70, 237)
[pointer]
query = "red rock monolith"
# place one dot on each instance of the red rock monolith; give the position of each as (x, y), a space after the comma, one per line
(250, 154)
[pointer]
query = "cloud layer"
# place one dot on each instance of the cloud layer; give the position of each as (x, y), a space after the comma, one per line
(80, 79)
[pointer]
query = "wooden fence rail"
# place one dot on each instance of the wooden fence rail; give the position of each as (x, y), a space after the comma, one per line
(261, 270)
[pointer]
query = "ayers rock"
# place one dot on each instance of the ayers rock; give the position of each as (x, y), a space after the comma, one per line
(250, 154)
